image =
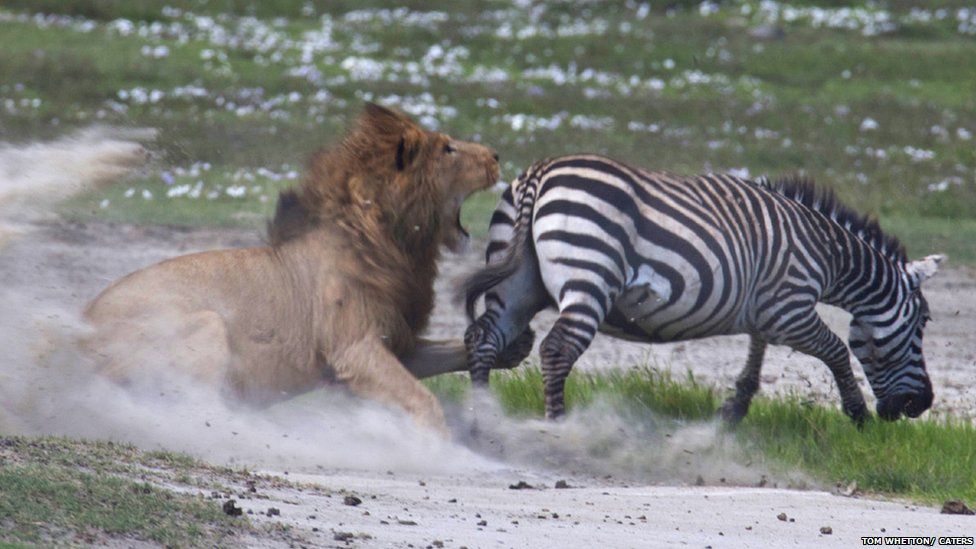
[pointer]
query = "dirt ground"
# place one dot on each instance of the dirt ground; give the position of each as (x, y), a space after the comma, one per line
(461, 495)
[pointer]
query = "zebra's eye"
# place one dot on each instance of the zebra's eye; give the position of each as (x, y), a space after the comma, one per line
(448, 149)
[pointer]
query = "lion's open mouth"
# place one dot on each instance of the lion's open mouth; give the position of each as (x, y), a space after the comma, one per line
(460, 227)
(458, 241)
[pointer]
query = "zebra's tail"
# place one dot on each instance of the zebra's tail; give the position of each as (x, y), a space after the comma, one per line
(480, 282)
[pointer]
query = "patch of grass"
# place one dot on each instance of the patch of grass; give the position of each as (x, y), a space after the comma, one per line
(146, 202)
(55, 489)
(928, 235)
(924, 459)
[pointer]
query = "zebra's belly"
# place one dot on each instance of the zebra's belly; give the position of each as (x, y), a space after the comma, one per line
(641, 315)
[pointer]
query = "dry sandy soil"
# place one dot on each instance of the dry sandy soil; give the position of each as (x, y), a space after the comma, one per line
(637, 490)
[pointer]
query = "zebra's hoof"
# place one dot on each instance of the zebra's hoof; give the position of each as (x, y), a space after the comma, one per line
(732, 411)
(480, 374)
(555, 415)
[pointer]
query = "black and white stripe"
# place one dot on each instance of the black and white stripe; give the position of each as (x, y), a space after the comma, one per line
(656, 257)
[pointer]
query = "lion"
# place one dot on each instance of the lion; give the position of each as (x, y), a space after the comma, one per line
(340, 293)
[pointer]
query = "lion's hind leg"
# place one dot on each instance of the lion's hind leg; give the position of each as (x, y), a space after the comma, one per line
(370, 370)
(164, 348)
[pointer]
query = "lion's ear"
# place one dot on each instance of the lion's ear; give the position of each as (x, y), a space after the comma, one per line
(382, 117)
(408, 148)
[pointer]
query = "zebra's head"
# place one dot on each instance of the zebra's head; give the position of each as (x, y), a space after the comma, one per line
(888, 343)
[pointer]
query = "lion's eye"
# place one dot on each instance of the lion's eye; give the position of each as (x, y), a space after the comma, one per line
(449, 149)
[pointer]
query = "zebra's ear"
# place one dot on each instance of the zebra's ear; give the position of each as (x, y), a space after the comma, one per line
(923, 269)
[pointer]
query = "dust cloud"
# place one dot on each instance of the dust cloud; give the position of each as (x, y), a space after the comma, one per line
(605, 440)
(35, 175)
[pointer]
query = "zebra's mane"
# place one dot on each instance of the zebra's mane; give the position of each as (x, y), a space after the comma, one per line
(822, 199)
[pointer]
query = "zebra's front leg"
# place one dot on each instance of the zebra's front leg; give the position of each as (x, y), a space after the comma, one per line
(736, 407)
(809, 335)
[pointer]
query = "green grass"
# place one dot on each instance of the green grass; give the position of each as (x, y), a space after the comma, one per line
(56, 489)
(772, 106)
(927, 235)
(925, 459)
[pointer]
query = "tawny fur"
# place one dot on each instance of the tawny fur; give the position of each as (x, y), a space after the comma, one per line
(341, 293)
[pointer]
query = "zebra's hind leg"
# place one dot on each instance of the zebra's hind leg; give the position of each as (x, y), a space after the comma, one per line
(501, 337)
(809, 335)
(736, 407)
(483, 343)
(485, 354)
(569, 337)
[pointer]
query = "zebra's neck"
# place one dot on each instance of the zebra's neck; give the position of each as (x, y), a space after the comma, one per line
(864, 282)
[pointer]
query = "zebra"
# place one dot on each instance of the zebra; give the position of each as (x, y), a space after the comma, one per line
(655, 257)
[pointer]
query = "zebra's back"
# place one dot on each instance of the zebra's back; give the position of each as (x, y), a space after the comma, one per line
(681, 256)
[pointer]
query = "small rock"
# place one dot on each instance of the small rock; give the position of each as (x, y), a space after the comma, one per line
(273, 512)
(437, 543)
(562, 484)
(407, 522)
(781, 516)
(826, 530)
(351, 500)
(956, 507)
(482, 523)
(521, 485)
(343, 536)
(231, 508)
(699, 481)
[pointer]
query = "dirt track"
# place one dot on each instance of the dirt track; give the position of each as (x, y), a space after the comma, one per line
(69, 263)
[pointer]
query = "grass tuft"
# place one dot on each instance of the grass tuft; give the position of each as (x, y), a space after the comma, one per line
(54, 488)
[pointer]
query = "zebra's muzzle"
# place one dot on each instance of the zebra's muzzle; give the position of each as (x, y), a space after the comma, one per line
(921, 401)
(910, 404)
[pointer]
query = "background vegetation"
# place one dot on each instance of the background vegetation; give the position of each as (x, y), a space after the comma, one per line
(876, 99)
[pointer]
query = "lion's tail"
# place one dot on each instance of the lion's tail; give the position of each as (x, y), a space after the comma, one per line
(480, 282)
